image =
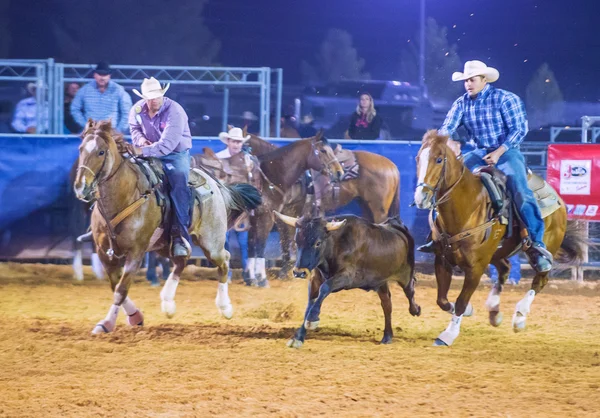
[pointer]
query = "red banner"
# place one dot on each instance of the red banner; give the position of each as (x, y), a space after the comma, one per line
(574, 172)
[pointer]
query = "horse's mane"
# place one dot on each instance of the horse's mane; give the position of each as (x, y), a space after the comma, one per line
(104, 129)
(432, 137)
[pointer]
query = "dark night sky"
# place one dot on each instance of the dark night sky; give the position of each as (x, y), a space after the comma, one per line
(515, 36)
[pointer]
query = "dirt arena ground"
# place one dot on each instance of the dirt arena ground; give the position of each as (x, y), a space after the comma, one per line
(198, 364)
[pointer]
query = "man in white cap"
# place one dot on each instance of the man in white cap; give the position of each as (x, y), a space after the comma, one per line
(496, 121)
(159, 128)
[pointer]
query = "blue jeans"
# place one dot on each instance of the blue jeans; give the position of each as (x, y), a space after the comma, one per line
(515, 270)
(177, 170)
(152, 260)
(512, 164)
(242, 239)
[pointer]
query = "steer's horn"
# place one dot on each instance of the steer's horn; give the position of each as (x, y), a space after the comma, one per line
(289, 220)
(335, 225)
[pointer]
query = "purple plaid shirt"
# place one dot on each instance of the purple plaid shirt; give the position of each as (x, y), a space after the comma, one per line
(168, 130)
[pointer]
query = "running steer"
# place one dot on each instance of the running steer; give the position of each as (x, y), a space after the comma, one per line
(352, 254)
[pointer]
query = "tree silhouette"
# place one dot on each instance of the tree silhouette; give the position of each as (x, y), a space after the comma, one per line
(337, 60)
(544, 100)
(441, 60)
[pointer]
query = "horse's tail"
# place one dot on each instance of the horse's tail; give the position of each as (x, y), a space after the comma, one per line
(239, 197)
(574, 245)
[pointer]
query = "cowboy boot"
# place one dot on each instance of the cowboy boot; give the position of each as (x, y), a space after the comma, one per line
(428, 247)
(179, 248)
(540, 258)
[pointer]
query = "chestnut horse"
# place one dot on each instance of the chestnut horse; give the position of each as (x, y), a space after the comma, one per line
(377, 189)
(126, 221)
(471, 240)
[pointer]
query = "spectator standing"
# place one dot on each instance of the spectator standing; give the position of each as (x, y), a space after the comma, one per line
(365, 123)
(71, 127)
(102, 99)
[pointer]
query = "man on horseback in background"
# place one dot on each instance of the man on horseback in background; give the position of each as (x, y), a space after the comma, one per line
(496, 122)
(160, 129)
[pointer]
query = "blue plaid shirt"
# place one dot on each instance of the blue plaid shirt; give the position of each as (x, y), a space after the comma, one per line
(494, 118)
(113, 104)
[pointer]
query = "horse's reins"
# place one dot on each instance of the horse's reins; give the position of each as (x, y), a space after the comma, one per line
(439, 232)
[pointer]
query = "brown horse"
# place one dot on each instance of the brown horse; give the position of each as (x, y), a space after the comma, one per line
(127, 221)
(377, 189)
(280, 169)
(471, 239)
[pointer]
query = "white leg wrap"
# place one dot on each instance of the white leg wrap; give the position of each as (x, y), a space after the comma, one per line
(223, 302)
(451, 332)
(128, 306)
(251, 268)
(78, 265)
(521, 310)
(167, 295)
(97, 267)
(112, 314)
(524, 305)
(261, 272)
(493, 301)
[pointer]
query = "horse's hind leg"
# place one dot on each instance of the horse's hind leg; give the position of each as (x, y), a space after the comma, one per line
(167, 294)
(214, 250)
(493, 301)
(524, 305)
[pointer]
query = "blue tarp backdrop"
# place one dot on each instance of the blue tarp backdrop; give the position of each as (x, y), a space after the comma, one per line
(34, 179)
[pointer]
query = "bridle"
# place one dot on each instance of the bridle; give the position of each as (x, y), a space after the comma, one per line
(326, 165)
(96, 182)
(440, 183)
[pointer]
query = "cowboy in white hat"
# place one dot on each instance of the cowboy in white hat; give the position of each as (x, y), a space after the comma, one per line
(496, 121)
(234, 139)
(159, 128)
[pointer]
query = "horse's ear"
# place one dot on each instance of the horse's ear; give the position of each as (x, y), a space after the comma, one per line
(88, 125)
(320, 135)
(209, 153)
(245, 131)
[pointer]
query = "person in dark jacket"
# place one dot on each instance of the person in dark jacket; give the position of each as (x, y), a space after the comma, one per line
(365, 123)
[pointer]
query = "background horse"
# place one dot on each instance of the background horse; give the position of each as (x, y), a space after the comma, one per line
(280, 170)
(377, 189)
(470, 240)
(127, 219)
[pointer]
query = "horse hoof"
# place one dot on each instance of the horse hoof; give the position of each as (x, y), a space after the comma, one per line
(387, 339)
(439, 343)
(496, 318)
(415, 310)
(311, 325)
(168, 307)
(102, 327)
(518, 322)
(226, 310)
(294, 343)
(137, 319)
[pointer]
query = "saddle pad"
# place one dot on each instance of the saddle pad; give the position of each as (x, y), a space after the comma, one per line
(548, 200)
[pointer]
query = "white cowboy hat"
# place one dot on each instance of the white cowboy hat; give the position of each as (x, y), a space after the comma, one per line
(475, 68)
(235, 134)
(151, 89)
